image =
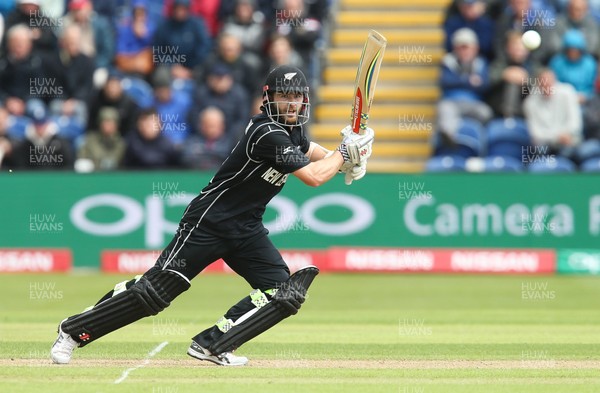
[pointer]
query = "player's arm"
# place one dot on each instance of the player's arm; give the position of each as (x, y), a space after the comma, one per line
(321, 171)
(316, 152)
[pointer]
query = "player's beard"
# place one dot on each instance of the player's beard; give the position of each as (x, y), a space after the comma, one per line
(284, 116)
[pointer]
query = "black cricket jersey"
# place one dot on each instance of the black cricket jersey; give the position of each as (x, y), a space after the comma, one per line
(233, 202)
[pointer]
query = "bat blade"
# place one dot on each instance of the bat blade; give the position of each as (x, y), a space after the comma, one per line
(366, 80)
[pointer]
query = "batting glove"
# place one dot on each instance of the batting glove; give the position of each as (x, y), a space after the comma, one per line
(356, 148)
(355, 173)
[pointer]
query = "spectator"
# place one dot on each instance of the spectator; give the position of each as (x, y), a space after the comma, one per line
(147, 148)
(112, 96)
(577, 17)
(247, 24)
(134, 42)
(575, 66)
(184, 39)
(73, 72)
(97, 37)
(223, 92)
(464, 81)
(509, 78)
(172, 107)
(553, 115)
(209, 147)
(207, 10)
(244, 67)
(18, 68)
(43, 148)
(522, 16)
(29, 14)
(7, 143)
(281, 52)
(472, 15)
(104, 149)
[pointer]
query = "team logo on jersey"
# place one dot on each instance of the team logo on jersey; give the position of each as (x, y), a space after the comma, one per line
(289, 75)
(287, 150)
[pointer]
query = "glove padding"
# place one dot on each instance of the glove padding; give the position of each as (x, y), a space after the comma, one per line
(357, 172)
(356, 148)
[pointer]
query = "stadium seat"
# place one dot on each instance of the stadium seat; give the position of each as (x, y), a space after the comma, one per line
(552, 164)
(502, 164)
(507, 138)
(17, 126)
(468, 139)
(587, 150)
(139, 90)
(591, 165)
(446, 164)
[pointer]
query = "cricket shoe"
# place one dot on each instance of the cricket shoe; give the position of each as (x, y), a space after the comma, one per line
(223, 359)
(63, 347)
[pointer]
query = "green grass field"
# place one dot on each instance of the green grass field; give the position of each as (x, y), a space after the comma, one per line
(355, 333)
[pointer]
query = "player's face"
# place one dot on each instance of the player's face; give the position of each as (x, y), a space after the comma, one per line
(289, 105)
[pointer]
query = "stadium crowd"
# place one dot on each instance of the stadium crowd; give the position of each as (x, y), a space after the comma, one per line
(515, 108)
(142, 84)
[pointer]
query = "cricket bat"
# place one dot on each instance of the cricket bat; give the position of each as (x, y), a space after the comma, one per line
(366, 80)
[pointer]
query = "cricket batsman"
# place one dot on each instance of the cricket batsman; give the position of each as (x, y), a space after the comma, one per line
(225, 221)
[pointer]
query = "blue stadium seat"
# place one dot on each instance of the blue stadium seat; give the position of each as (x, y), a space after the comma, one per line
(591, 165)
(17, 126)
(446, 164)
(139, 90)
(552, 164)
(502, 164)
(507, 137)
(587, 150)
(468, 139)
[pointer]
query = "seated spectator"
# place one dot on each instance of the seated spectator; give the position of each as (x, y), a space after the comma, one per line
(575, 66)
(206, 10)
(281, 53)
(72, 71)
(7, 143)
(509, 78)
(577, 17)
(183, 40)
(43, 148)
(97, 36)
(18, 68)
(522, 15)
(172, 106)
(29, 14)
(553, 115)
(104, 149)
(244, 66)
(464, 80)
(147, 148)
(112, 95)
(247, 25)
(210, 146)
(223, 92)
(134, 42)
(471, 14)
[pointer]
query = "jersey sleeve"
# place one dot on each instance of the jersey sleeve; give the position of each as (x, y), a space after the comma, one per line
(276, 147)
